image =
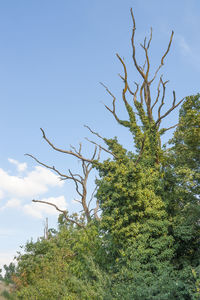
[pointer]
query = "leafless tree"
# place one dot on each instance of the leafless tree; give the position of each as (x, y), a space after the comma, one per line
(79, 180)
(149, 110)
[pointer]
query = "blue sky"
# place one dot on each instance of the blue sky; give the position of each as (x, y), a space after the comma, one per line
(53, 54)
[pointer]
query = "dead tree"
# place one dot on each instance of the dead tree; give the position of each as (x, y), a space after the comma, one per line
(79, 180)
(146, 131)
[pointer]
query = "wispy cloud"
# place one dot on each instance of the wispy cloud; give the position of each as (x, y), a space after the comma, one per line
(15, 190)
(187, 51)
(20, 166)
(39, 210)
(12, 203)
(34, 183)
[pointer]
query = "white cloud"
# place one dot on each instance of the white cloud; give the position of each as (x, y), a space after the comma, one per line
(34, 183)
(12, 203)
(39, 210)
(20, 166)
(18, 189)
(1, 194)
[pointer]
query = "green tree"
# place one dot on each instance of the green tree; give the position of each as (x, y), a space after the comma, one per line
(64, 266)
(9, 271)
(184, 209)
(136, 208)
(144, 245)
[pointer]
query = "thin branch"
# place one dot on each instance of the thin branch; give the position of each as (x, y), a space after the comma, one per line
(95, 151)
(171, 109)
(79, 156)
(163, 96)
(92, 196)
(129, 89)
(61, 211)
(133, 48)
(76, 181)
(75, 150)
(77, 201)
(158, 93)
(104, 149)
(143, 65)
(124, 123)
(125, 79)
(163, 130)
(97, 215)
(134, 94)
(64, 176)
(163, 57)
(93, 132)
(150, 39)
(146, 60)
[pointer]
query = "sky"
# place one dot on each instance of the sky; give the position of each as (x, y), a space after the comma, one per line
(53, 55)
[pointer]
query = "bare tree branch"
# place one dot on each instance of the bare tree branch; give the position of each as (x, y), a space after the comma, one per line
(150, 39)
(104, 149)
(163, 130)
(129, 89)
(125, 80)
(63, 176)
(163, 96)
(158, 93)
(92, 196)
(61, 211)
(124, 123)
(95, 133)
(171, 109)
(134, 94)
(133, 48)
(64, 151)
(76, 181)
(79, 181)
(163, 57)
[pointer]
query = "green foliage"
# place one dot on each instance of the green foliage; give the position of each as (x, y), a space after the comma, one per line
(8, 295)
(184, 159)
(9, 271)
(146, 245)
(61, 267)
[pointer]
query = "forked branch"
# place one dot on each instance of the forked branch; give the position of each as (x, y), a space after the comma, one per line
(76, 154)
(113, 111)
(80, 181)
(174, 105)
